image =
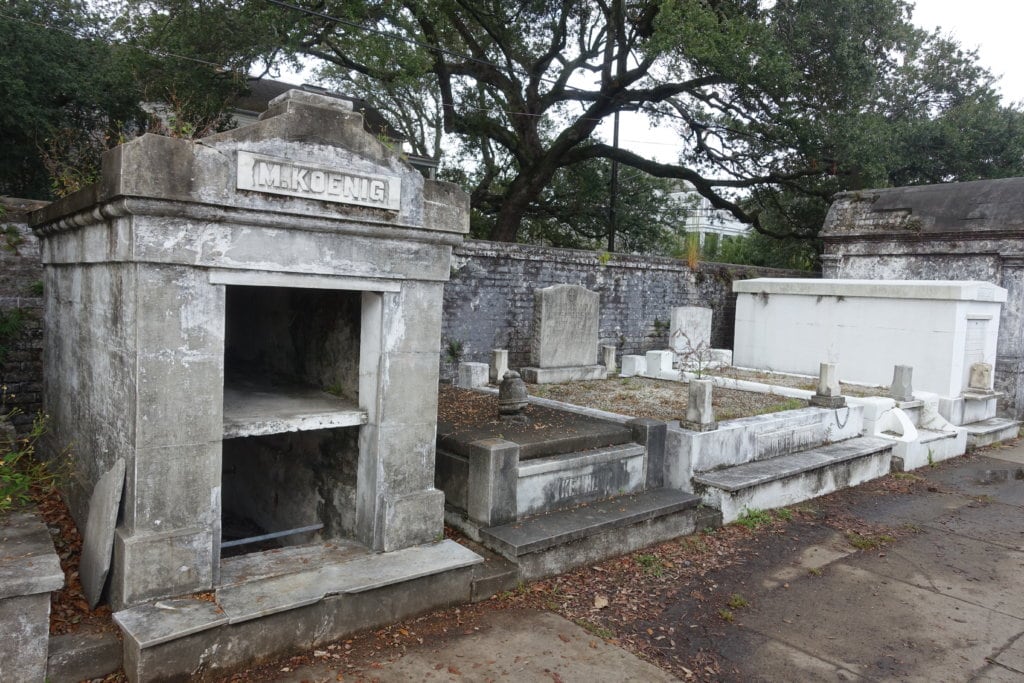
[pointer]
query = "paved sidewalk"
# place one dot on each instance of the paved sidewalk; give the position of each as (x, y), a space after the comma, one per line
(943, 603)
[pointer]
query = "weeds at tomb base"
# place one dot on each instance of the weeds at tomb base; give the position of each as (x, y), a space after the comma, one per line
(20, 471)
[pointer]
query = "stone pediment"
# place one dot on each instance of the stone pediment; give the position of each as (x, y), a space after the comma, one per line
(308, 154)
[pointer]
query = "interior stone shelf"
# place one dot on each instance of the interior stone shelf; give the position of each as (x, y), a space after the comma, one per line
(258, 411)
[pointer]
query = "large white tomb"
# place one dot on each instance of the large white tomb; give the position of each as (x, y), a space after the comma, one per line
(867, 327)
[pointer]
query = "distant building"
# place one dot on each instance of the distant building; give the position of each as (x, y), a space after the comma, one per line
(702, 219)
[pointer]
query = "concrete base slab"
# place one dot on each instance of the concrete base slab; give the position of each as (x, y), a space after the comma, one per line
(990, 431)
(570, 374)
(249, 622)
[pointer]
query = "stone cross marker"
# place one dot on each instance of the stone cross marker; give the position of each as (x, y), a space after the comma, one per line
(565, 322)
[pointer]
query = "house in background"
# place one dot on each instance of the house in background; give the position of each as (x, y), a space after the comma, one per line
(702, 219)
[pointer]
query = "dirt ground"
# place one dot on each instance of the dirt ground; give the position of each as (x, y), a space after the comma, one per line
(659, 399)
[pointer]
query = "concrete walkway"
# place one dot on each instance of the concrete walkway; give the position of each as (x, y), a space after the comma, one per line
(944, 603)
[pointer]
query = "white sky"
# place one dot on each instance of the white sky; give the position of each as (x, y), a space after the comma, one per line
(992, 27)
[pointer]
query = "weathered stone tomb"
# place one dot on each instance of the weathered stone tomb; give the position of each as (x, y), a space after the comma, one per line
(251, 321)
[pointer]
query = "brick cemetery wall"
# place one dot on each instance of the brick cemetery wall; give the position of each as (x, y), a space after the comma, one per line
(21, 327)
(488, 303)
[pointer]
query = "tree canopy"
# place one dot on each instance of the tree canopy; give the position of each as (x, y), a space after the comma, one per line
(777, 103)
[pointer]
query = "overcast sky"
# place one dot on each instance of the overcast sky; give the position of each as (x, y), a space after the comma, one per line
(993, 27)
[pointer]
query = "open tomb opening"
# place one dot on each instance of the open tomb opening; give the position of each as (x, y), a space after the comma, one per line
(291, 438)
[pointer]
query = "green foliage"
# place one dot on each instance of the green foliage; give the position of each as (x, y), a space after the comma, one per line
(757, 249)
(20, 471)
(12, 324)
(868, 541)
(754, 519)
(737, 601)
(651, 564)
(453, 351)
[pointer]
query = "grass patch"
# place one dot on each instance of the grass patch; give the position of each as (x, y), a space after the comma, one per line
(754, 519)
(784, 514)
(726, 615)
(651, 564)
(595, 629)
(868, 542)
(785, 404)
(737, 601)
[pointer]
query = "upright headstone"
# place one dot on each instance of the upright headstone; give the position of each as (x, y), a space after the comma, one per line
(565, 335)
(499, 365)
(659, 362)
(690, 329)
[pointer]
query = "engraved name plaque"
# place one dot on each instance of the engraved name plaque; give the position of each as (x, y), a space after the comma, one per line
(261, 173)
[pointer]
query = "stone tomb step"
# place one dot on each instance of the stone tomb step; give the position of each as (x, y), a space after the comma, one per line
(555, 542)
(990, 431)
(276, 613)
(796, 477)
(931, 447)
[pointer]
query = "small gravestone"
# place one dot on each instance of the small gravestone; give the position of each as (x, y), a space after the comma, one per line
(499, 365)
(98, 540)
(700, 415)
(608, 357)
(633, 365)
(690, 329)
(902, 387)
(565, 335)
(980, 378)
(828, 394)
(471, 375)
(659, 362)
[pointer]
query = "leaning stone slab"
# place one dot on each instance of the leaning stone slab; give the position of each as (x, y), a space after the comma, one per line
(99, 532)
(29, 570)
(499, 365)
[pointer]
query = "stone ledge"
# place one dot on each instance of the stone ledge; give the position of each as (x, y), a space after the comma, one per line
(751, 474)
(558, 528)
(166, 620)
(28, 562)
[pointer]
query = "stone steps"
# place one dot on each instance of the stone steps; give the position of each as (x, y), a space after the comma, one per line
(548, 544)
(990, 431)
(793, 478)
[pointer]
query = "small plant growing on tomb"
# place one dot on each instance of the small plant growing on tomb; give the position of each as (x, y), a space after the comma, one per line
(453, 352)
(604, 257)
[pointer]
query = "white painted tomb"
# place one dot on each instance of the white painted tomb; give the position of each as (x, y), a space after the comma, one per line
(941, 328)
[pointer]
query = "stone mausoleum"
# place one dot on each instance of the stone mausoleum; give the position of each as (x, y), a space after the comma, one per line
(250, 323)
(953, 231)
